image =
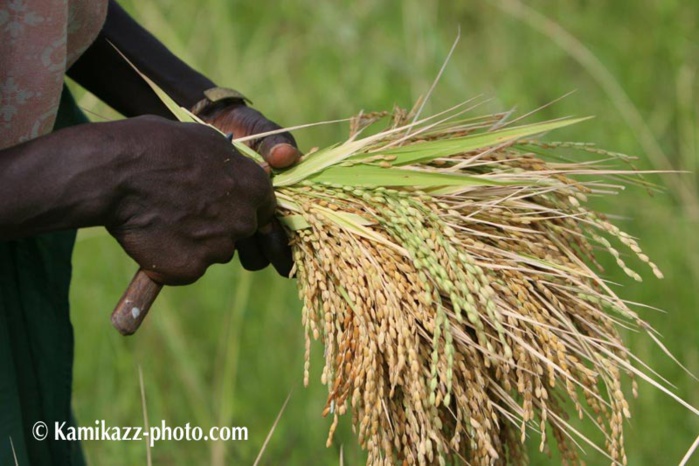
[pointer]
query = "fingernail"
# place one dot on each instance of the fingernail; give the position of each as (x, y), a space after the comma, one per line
(282, 155)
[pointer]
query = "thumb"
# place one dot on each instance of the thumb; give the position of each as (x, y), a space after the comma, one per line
(278, 150)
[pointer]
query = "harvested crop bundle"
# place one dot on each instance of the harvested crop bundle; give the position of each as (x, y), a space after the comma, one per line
(443, 265)
(448, 267)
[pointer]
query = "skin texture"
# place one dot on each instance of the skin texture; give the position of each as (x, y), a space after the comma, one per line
(279, 150)
(206, 204)
(177, 197)
(269, 243)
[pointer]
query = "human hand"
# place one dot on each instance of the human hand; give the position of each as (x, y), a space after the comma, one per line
(279, 151)
(187, 199)
(236, 118)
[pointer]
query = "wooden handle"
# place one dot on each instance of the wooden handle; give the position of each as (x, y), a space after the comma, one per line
(135, 303)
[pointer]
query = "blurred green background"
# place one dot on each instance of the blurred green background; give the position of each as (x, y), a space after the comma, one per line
(229, 349)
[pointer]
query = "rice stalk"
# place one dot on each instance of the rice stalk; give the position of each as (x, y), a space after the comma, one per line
(448, 266)
(460, 316)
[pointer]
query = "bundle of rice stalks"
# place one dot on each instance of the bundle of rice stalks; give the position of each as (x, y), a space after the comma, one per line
(443, 264)
(448, 266)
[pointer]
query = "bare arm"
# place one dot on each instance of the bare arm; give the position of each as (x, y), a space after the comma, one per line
(157, 186)
(176, 196)
(104, 72)
(56, 182)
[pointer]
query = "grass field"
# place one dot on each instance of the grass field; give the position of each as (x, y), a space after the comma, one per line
(229, 349)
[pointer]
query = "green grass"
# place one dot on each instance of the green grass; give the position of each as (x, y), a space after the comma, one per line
(229, 349)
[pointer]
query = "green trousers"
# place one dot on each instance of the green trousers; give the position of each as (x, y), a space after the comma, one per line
(36, 340)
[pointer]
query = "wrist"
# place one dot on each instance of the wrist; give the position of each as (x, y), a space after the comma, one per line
(217, 98)
(61, 181)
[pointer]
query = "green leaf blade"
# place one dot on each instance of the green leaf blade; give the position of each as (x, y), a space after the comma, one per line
(374, 176)
(426, 151)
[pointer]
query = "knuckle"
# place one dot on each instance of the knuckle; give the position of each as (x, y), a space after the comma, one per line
(255, 184)
(195, 270)
(247, 229)
(146, 119)
(246, 225)
(223, 252)
(183, 268)
(226, 257)
(176, 276)
(203, 130)
(185, 275)
(193, 134)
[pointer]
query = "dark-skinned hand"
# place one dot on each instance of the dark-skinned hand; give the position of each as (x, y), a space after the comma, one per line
(221, 201)
(269, 244)
(177, 196)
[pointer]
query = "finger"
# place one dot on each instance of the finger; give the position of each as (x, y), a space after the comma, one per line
(274, 244)
(223, 252)
(277, 152)
(250, 254)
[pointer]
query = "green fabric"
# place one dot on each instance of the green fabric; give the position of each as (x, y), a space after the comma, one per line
(36, 339)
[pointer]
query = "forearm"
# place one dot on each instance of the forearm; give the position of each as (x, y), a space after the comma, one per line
(61, 181)
(104, 72)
